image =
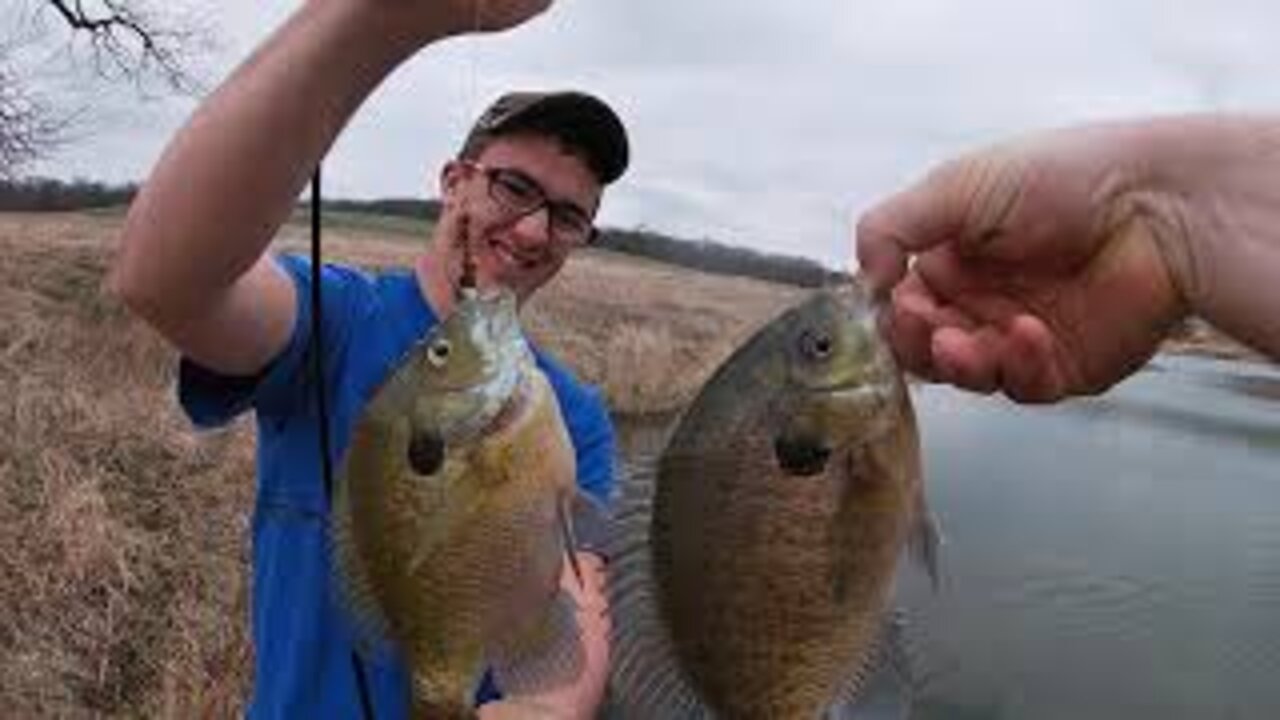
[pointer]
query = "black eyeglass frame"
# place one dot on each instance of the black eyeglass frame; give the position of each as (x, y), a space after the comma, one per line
(501, 185)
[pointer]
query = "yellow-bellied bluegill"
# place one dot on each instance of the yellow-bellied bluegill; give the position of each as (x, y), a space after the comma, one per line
(754, 563)
(451, 514)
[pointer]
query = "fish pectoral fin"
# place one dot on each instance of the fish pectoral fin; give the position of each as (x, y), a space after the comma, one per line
(584, 527)
(884, 687)
(926, 543)
(548, 653)
(591, 524)
(569, 542)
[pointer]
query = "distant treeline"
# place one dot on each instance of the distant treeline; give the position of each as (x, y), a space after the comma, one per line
(43, 194)
(714, 257)
(46, 195)
(398, 207)
(705, 255)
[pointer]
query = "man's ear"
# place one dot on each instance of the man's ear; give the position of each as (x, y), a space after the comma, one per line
(450, 176)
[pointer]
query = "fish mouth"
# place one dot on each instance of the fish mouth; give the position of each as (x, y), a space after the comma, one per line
(854, 392)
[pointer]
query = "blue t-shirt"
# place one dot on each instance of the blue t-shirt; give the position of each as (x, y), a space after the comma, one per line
(302, 636)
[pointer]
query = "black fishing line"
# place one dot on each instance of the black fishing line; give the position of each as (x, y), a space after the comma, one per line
(322, 408)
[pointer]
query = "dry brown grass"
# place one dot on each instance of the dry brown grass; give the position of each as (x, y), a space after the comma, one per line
(123, 533)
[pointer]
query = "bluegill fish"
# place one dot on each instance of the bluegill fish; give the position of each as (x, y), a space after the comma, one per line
(753, 565)
(451, 521)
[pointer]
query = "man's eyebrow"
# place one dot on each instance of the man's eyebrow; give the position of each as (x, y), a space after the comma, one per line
(553, 201)
(575, 207)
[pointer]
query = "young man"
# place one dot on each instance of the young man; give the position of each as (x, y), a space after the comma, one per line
(193, 263)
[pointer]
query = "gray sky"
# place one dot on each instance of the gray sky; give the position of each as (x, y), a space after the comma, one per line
(766, 124)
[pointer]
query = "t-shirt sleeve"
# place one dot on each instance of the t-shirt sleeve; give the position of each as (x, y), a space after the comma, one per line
(211, 399)
(595, 445)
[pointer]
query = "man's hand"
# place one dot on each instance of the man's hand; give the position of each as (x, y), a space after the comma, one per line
(1043, 268)
(439, 18)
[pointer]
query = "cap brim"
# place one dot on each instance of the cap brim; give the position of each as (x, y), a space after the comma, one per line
(592, 124)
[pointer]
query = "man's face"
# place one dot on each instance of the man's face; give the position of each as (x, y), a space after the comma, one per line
(510, 245)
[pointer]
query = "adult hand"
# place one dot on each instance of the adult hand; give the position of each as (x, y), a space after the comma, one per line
(456, 17)
(1042, 268)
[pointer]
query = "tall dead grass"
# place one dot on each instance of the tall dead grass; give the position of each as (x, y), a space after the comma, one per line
(122, 533)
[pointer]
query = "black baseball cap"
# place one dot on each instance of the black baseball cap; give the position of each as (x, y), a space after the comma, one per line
(582, 121)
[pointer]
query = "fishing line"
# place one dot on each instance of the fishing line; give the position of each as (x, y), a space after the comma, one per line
(467, 281)
(322, 407)
(317, 335)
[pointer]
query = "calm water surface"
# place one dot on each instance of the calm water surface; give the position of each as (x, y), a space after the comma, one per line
(1116, 557)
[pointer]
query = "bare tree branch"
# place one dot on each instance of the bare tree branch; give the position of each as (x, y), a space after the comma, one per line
(129, 43)
(29, 127)
(125, 42)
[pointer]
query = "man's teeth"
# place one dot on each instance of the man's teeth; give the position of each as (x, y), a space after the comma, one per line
(508, 256)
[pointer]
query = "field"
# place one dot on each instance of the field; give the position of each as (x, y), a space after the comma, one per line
(122, 532)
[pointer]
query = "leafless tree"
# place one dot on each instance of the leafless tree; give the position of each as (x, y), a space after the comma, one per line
(125, 41)
(29, 126)
(132, 41)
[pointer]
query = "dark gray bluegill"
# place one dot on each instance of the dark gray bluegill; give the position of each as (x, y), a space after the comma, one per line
(451, 514)
(753, 564)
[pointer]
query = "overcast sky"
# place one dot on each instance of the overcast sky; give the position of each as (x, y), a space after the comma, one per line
(770, 124)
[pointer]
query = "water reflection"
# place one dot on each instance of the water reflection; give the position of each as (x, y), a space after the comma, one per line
(1114, 557)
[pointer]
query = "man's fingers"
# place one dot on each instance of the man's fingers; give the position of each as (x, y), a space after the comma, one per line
(910, 222)
(968, 359)
(1018, 359)
(909, 334)
(1029, 364)
(910, 320)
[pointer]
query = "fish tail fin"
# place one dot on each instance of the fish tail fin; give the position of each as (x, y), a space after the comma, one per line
(645, 680)
(584, 526)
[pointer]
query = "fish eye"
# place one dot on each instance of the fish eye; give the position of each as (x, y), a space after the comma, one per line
(438, 352)
(816, 345)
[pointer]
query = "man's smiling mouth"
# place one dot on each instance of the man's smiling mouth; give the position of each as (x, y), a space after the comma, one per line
(507, 255)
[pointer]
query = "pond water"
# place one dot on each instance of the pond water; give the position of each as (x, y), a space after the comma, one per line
(1112, 557)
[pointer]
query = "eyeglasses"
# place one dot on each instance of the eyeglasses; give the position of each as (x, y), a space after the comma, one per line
(517, 193)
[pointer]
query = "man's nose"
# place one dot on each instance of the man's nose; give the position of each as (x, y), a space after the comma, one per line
(533, 229)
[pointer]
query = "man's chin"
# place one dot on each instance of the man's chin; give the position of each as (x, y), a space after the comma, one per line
(514, 282)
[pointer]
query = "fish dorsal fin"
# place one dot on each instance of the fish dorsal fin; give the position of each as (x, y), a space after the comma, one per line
(883, 687)
(926, 542)
(645, 680)
(547, 654)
